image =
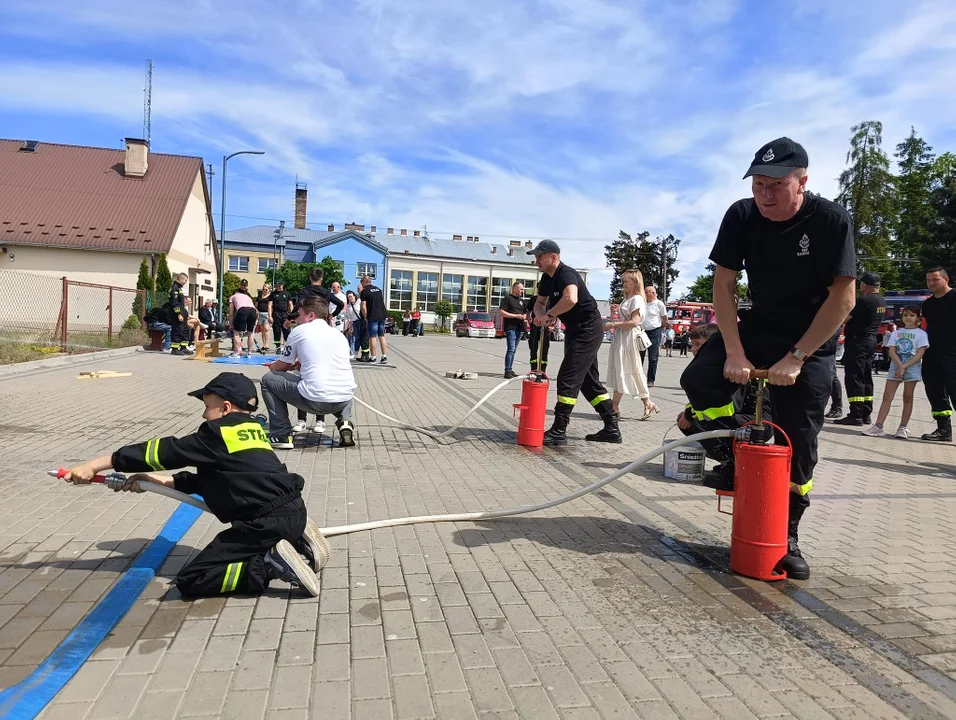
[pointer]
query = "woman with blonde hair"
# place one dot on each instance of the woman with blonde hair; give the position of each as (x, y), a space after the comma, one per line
(625, 372)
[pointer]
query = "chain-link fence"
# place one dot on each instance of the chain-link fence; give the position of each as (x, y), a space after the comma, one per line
(43, 315)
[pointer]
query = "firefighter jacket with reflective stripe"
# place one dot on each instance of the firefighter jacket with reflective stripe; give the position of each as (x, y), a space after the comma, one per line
(239, 475)
(177, 301)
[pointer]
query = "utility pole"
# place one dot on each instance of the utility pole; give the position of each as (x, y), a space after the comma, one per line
(148, 103)
(210, 173)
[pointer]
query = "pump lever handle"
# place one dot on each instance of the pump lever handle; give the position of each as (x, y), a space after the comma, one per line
(759, 374)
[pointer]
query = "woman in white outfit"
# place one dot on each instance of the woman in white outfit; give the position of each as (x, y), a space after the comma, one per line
(625, 372)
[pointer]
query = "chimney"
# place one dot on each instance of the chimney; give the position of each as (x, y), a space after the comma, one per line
(331, 227)
(469, 238)
(456, 238)
(514, 243)
(373, 230)
(528, 244)
(390, 231)
(476, 238)
(418, 233)
(494, 249)
(511, 252)
(404, 231)
(354, 226)
(137, 154)
(301, 196)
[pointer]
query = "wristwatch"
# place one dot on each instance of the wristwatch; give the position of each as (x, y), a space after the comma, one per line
(798, 354)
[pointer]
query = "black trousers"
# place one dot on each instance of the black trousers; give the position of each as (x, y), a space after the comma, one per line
(233, 561)
(179, 335)
(836, 390)
(858, 368)
(278, 331)
(534, 337)
(798, 409)
(579, 370)
(939, 375)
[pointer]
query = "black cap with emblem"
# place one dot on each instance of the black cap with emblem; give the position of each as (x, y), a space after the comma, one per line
(234, 387)
(545, 246)
(871, 279)
(778, 159)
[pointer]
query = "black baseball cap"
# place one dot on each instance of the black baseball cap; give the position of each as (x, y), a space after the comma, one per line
(870, 278)
(778, 159)
(243, 282)
(234, 387)
(545, 246)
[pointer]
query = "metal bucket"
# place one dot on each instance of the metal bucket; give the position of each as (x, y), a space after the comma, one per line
(686, 463)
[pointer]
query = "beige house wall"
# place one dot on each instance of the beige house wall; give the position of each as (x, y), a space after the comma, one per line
(92, 266)
(255, 278)
(192, 245)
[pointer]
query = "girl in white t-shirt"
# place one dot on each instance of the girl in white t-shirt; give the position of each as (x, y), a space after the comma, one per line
(906, 346)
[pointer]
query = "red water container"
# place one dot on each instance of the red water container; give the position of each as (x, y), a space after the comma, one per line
(533, 407)
(761, 508)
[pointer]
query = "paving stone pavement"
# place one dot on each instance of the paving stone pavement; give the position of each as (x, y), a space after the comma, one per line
(616, 605)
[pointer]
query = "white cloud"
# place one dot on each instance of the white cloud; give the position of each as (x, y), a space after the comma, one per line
(560, 118)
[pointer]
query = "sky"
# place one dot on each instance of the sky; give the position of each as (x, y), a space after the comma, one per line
(506, 119)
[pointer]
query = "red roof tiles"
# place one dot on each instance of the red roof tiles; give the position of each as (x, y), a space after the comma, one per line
(78, 197)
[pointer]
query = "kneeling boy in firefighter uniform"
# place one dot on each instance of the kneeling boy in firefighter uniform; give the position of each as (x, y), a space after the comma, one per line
(243, 483)
(798, 252)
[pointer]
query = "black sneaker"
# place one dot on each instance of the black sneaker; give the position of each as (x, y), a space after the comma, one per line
(835, 412)
(314, 546)
(284, 563)
(346, 434)
(281, 442)
(793, 563)
(849, 420)
(510, 374)
(383, 360)
(721, 478)
(938, 435)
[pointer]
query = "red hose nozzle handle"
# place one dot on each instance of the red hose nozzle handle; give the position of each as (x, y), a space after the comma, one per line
(62, 473)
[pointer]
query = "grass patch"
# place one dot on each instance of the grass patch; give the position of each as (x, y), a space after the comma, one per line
(11, 353)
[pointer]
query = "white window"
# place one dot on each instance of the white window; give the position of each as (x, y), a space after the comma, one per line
(266, 264)
(427, 291)
(365, 269)
(238, 263)
(400, 287)
(500, 289)
(451, 287)
(477, 293)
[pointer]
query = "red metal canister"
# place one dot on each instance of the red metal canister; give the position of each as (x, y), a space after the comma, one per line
(533, 407)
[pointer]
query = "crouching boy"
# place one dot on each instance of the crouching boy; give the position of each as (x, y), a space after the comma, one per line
(243, 483)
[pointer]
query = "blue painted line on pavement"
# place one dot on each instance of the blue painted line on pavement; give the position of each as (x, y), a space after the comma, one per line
(27, 698)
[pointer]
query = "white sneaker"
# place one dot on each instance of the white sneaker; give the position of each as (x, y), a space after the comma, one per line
(874, 431)
(319, 427)
(299, 427)
(902, 432)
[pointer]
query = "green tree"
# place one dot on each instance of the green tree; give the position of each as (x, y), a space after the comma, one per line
(164, 280)
(939, 249)
(230, 283)
(296, 275)
(143, 282)
(643, 254)
(916, 212)
(867, 191)
(443, 310)
(702, 289)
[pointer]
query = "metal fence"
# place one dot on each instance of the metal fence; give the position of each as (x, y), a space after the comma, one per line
(49, 312)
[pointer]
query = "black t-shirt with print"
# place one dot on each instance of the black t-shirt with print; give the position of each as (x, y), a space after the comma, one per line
(790, 265)
(585, 313)
(280, 303)
(374, 302)
(262, 303)
(940, 314)
(866, 317)
(512, 304)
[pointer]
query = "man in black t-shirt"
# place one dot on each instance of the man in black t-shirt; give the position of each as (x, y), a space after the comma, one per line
(563, 293)
(939, 362)
(281, 307)
(861, 333)
(373, 311)
(512, 323)
(798, 252)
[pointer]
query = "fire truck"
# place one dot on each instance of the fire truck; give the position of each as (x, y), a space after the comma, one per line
(686, 316)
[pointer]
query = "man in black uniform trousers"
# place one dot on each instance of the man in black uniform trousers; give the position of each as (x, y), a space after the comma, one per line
(281, 307)
(939, 362)
(801, 269)
(562, 292)
(536, 335)
(862, 330)
(179, 337)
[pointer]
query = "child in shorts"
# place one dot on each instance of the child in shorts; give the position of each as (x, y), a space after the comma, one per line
(906, 346)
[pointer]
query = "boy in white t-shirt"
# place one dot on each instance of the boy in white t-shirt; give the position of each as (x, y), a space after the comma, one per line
(906, 346)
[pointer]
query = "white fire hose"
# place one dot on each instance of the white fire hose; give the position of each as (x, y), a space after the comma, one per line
(118, 481)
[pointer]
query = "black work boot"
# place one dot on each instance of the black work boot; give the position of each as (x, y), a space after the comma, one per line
(721, 477)
(557, 434)
(943, 431)
(855, 418)
(835, 412)
(610, 433)
(793, 563)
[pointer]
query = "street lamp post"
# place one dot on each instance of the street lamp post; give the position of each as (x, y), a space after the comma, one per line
(222, 222)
